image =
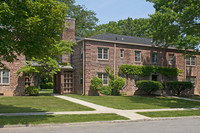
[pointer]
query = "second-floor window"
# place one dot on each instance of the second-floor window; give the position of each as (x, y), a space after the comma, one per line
(121, 53)
(191, 61)
(137, 55)
(154, 58)
(171, 59)
(103, 53)
(4, 77)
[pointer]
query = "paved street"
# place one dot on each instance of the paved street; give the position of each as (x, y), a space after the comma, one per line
(183, 125)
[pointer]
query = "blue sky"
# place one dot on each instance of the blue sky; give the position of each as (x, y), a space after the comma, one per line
(114, 10)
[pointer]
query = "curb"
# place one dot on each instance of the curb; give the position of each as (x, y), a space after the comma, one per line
(98, 122)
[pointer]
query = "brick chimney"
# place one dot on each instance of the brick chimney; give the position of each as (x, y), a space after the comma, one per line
(68, 34)
(69, 31)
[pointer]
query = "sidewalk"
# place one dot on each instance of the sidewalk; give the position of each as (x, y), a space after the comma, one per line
(131, 114)
(188, 99)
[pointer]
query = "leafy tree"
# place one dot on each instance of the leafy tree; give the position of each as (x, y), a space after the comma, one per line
(176, 23)
(85, 19)
(48, 64)
(31, 28)
(129, 27)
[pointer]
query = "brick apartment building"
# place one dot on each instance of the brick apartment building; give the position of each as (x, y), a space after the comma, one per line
(10, 84)
(91, 57)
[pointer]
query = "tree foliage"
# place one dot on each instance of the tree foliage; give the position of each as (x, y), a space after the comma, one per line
(176, 23)
(30, 28)
(129, 27)
(48, 63)
(86, 19)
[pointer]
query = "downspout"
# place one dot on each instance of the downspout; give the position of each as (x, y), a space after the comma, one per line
(185, 68)
(114, 58)
(83, 68)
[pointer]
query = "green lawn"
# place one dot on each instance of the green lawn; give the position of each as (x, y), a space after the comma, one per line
(49, 91)
(16, 120)
(137, 102)
(171, 113)
(38, 104)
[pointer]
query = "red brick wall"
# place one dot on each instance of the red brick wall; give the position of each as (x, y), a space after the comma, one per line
(16, 87)
(93, 65)
(77, 64)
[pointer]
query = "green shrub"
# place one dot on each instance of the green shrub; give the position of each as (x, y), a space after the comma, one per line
(177, 87)
(32, 90)
(117, 84)
(106, 90)
(149, 86)
(96, 83)
(48, 85)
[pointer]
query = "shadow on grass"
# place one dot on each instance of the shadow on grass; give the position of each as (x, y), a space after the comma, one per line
(164, 102)
(15, 120)
(23, 120)
(14, 109)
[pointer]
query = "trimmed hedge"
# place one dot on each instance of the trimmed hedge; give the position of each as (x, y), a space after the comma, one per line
(32, 90)
(178, 87)
(149, 86)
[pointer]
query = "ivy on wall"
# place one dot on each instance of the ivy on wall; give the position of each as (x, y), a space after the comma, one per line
(128, 69)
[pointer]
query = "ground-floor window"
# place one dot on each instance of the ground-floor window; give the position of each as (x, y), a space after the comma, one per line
(191, 79)
(81, 79)
(4, 77)
(104, 77)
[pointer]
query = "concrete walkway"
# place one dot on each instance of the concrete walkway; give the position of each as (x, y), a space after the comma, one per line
(131, 114)
(188, 99)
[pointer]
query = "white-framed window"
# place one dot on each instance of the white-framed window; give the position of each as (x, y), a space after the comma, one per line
(191, 61)
(121, 53)
(138, 56)
(104, 77)
(103, 53)
(154, 58)
(4, 77)
(81, 54)
(191, 79)
(171, 59)
(81, 79)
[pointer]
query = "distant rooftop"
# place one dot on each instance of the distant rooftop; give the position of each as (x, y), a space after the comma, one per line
(122, 38)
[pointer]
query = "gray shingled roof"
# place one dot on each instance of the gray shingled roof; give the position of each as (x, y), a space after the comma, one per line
(122, 38)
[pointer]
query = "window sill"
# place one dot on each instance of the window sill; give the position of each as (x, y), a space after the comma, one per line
(4, 84)
(103, 59)
(190, 65)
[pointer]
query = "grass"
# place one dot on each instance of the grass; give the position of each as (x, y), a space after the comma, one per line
(137, 102)
(171, 113)
(49, 91)
(38, 104)
(16, 120)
